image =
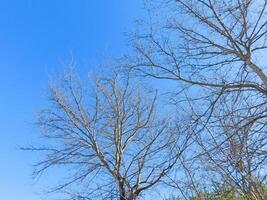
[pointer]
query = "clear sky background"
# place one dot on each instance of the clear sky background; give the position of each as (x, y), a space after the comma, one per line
(35, 37)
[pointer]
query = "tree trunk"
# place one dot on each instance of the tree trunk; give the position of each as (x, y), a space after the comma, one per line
(123, 195)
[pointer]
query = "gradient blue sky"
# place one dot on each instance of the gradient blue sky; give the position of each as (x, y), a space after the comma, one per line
(35, 37)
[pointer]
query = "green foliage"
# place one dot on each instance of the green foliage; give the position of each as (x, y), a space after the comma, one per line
(220, 194)
(225, 193)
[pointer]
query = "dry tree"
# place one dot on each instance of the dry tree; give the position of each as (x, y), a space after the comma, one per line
(214, 51)
(110, 136)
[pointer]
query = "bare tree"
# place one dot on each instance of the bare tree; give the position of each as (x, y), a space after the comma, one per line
(110, 136)
(233, 150)
(215, 51)
(203, 38)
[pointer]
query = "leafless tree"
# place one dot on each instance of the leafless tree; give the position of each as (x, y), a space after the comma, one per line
(110, 136)
(215, 52)
(232, 149)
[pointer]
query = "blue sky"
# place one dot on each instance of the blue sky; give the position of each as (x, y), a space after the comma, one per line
(36, 36)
